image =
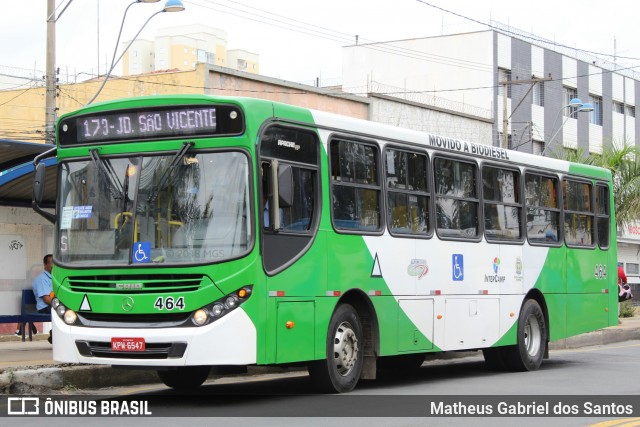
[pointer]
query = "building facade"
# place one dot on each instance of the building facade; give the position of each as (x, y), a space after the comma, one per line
(182, 48)
(525, 82)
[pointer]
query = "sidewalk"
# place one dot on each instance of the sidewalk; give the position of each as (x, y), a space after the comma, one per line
(28, 367)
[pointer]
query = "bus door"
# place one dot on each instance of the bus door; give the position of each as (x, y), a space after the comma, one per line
(294, 262)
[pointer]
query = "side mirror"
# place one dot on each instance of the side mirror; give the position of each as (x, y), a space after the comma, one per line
(38, 192)
(39, 183)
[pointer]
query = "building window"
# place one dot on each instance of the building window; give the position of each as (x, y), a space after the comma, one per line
(538, 147)
(631, 110)
(618, 107)
(595, 116)
(569, 94)
(633, 269)
(538, 94)
(504, 75)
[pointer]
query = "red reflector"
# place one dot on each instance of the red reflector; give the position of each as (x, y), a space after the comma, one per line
(606, 291)
(279, 293)
(485, 292)
(438, 292)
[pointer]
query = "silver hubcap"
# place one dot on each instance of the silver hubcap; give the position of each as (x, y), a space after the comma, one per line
(532, 336)
(345, 349)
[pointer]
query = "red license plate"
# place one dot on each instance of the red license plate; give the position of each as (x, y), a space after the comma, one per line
(127, 344)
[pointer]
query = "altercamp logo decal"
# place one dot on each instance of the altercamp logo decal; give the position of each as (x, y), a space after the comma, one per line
(418, 268)
(495, 277)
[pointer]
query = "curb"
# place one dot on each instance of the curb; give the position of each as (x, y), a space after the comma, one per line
(40, 380)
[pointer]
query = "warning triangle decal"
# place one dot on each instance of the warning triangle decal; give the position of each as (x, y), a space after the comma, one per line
(85, 306)
(376, 271)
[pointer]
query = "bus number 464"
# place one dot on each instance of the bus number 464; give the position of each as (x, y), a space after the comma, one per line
(169, 303)
(601, 271)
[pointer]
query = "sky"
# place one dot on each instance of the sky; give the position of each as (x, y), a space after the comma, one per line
(301, 40)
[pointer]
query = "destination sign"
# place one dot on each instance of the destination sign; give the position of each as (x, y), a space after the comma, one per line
(151, 124)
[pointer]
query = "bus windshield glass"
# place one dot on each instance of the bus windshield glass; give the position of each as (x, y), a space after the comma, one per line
(184, 208)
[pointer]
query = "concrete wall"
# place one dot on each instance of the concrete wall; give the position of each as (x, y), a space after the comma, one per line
(25, 238)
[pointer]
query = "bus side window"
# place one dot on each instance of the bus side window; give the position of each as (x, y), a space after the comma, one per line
(355, 186)
(542, 209)
(578, 213)
(502, 203)
(602, 215)
(406, 176)
(457, 199)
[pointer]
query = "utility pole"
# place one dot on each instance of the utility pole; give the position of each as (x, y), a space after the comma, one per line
(50, 77)
(505, 118)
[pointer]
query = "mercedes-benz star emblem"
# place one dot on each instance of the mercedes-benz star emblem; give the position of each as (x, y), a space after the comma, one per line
(127, 304)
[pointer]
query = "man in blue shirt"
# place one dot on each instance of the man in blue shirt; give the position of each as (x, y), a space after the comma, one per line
(42, 287)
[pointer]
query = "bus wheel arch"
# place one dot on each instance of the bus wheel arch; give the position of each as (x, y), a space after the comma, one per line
(532, 336)
(539, 297)
(351, 345)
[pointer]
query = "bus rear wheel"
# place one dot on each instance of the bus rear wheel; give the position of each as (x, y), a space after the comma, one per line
(184, 378)
(340, 371)
(527, 354)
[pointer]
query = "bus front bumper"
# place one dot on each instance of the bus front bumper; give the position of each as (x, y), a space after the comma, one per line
(230, 340)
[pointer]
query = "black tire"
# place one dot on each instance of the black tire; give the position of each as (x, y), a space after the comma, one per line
(184, 378)
(527, 354)
(340, 371)
(494, 358)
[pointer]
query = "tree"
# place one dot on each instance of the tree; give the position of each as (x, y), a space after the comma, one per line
(623, 160)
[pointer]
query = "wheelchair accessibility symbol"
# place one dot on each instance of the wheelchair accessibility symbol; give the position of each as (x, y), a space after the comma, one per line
(141, 252)
(457, 267)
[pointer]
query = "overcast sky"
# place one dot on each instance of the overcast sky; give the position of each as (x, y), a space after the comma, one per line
(300, 40)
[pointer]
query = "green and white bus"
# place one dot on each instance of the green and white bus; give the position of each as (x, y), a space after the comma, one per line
(196, 232)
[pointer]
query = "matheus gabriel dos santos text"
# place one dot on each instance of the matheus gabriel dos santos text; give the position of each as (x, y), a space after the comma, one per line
(531, 409)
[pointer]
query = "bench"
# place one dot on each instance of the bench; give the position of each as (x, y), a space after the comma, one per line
(28, 313)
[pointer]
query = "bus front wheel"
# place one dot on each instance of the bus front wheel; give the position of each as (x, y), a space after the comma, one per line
(340, 371)
(527, 354)
(185, 378)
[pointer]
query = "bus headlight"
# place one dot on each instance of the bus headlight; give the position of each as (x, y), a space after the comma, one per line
(61, 309)
(200, 317)
(217, 310)
(70, 317)
(221, 307)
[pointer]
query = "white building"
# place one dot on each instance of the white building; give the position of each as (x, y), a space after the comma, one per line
(470, 70)
(183, 47)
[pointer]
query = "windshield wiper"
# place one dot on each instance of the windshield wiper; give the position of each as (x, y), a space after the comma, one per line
(117, 192)
(167, 172)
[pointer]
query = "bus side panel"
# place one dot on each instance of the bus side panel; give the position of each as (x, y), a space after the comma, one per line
(305, 280)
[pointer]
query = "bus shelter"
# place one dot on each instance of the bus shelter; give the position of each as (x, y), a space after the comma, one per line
(25, 236)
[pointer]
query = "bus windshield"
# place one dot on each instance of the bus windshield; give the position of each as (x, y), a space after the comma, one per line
(171, 209)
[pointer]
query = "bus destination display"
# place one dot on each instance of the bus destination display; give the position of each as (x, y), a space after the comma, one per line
(162, 123)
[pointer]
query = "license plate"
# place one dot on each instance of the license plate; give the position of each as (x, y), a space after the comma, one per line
(127, 344)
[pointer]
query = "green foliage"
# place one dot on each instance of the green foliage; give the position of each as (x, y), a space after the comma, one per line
(627, 309)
